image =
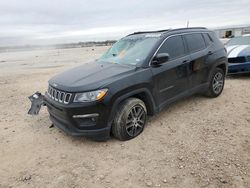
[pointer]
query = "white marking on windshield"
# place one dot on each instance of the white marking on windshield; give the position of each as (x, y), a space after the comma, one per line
(152, 35)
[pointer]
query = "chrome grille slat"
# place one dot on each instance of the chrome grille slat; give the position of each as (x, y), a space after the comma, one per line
(67, 98)
(49, 88)
(53, 92)
(61, 99)
(59, 96)
(56, 95)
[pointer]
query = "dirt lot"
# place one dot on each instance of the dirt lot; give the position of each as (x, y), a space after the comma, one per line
(197, 142)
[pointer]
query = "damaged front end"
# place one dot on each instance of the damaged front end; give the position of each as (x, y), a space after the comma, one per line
(37, 101)
(73, 119)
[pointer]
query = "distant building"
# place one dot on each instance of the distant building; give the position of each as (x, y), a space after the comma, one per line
(229, 32)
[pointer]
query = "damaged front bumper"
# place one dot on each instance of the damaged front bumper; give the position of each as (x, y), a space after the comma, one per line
(74, 119)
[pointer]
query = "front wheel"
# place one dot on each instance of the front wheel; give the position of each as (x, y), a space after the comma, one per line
(130, 119)
(216, 84)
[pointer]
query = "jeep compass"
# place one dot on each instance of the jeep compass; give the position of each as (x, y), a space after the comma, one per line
(138, 76)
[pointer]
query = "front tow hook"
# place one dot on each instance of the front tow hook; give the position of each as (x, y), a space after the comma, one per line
(37, 101)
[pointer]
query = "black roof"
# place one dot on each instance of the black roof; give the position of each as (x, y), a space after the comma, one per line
(168, 30)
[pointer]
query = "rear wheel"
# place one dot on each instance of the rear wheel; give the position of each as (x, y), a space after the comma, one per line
(130, 119)
(216, 84)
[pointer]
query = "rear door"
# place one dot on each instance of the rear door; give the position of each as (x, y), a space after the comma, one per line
(171, 78)
(199, 55)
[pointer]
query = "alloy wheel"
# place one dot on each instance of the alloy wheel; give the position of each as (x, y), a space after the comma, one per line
(136, 120)
(218, 82)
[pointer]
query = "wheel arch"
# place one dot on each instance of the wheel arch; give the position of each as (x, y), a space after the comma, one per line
(220, 63)
(223, 67)
(142, 94)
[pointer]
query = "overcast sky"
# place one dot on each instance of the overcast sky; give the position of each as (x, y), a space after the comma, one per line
(61, 21)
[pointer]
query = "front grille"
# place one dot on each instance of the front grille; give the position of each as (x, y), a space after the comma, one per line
(237, 60)
(59, 96)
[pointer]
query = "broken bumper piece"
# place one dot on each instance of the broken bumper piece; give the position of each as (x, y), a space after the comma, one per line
(37, 101)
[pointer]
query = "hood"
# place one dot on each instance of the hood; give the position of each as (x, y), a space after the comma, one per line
(238, 51)
(89, 76)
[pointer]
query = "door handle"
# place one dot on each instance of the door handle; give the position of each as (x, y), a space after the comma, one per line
(210, 53)
(185, 61)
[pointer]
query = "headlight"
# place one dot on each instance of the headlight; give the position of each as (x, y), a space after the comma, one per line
(90, 96)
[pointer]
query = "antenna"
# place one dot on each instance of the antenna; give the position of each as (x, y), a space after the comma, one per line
(187, 23)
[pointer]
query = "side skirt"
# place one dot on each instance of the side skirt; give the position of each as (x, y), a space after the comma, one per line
(184, 94)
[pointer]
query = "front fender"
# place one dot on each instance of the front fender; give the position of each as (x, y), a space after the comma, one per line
(118, 99)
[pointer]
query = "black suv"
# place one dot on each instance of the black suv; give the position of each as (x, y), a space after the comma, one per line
(138, 76)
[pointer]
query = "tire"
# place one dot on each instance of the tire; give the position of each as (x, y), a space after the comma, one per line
(216, 84)
(130, 119)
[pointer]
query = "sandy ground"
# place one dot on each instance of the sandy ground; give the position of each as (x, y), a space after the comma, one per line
(196, 142)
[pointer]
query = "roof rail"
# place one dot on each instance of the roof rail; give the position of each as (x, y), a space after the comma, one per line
(166, 30)
(142, 32)
(184, 28)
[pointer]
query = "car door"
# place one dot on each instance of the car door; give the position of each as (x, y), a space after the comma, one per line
(171, 77)
(199, 55)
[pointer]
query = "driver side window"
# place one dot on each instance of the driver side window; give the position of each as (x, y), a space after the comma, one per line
(174, 47)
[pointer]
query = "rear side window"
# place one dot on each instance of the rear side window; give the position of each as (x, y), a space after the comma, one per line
(174, 47)
(195, 42)
(207, 38)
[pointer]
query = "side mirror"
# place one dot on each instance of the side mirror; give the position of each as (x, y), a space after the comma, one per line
(160, 58)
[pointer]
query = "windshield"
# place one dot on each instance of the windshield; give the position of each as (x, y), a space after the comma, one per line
(131, 50)
(245, 40)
